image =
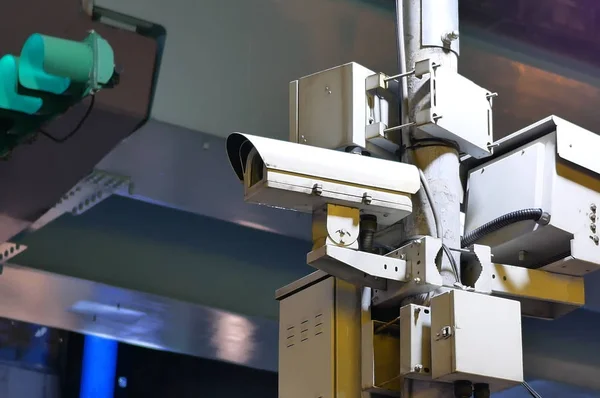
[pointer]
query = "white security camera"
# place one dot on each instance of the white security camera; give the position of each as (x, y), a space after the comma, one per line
(304, 178)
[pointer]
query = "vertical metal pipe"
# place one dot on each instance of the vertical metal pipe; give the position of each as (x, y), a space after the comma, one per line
(428, 24)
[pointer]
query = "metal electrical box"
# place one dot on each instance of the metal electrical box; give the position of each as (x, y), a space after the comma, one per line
(319, 338)
(551, 165)
(459, 111)
(331, 109)
(476, 337)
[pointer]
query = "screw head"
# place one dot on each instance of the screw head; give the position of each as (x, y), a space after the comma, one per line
(418, 368)
(122, 381)
(417, 280)
(317, 190)
(595, 238)
(593, 207)
(593, 227)
(367, 199)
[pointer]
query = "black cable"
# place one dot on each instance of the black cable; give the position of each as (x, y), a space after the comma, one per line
(530, 390)
(77, 127)
(431, 141)
(504, 221)
(452, 261)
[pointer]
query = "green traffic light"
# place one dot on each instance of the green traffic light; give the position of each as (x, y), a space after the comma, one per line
(50, 76)
(40, 61)
(10, 99)
(51, 64)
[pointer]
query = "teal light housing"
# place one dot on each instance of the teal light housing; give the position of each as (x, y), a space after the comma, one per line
(50, 75)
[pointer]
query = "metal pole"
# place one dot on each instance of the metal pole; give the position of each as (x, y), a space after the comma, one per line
(426, 21)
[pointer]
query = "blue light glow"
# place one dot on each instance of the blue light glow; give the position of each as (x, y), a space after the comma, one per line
(99, 368)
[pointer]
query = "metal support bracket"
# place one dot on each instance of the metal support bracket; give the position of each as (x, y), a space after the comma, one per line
(356, 267)
(542, 294)
(477, 268)
(9, 250)
(423, 275)
(90, 191)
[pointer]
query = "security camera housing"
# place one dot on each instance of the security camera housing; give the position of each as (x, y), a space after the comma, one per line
(304, 178)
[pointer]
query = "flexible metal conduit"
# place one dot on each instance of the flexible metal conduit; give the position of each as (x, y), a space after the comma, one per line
(537, 215)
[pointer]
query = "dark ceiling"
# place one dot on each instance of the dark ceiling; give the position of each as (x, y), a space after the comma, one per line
(567, 27)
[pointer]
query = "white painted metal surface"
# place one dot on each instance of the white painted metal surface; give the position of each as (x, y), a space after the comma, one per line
(358, 267)
(460, 111)
(322, 163)
(304, 178)
(538, 172)
(415, 341)
(331, 109)
(469, 329)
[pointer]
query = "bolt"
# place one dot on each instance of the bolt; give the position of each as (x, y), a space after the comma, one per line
(418, 368)
(417, 280)
(317, 190)
(403, 256)
(327, 90)
(367, 199)
(450, 36)
(595, 238)
(122, 382)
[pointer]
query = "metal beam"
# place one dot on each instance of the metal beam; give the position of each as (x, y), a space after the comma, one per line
(137, 318)
(170, 325)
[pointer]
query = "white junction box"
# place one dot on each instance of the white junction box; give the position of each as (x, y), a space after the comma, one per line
(476, 337)
(331, 109)
(459, 111)
(551, 165)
